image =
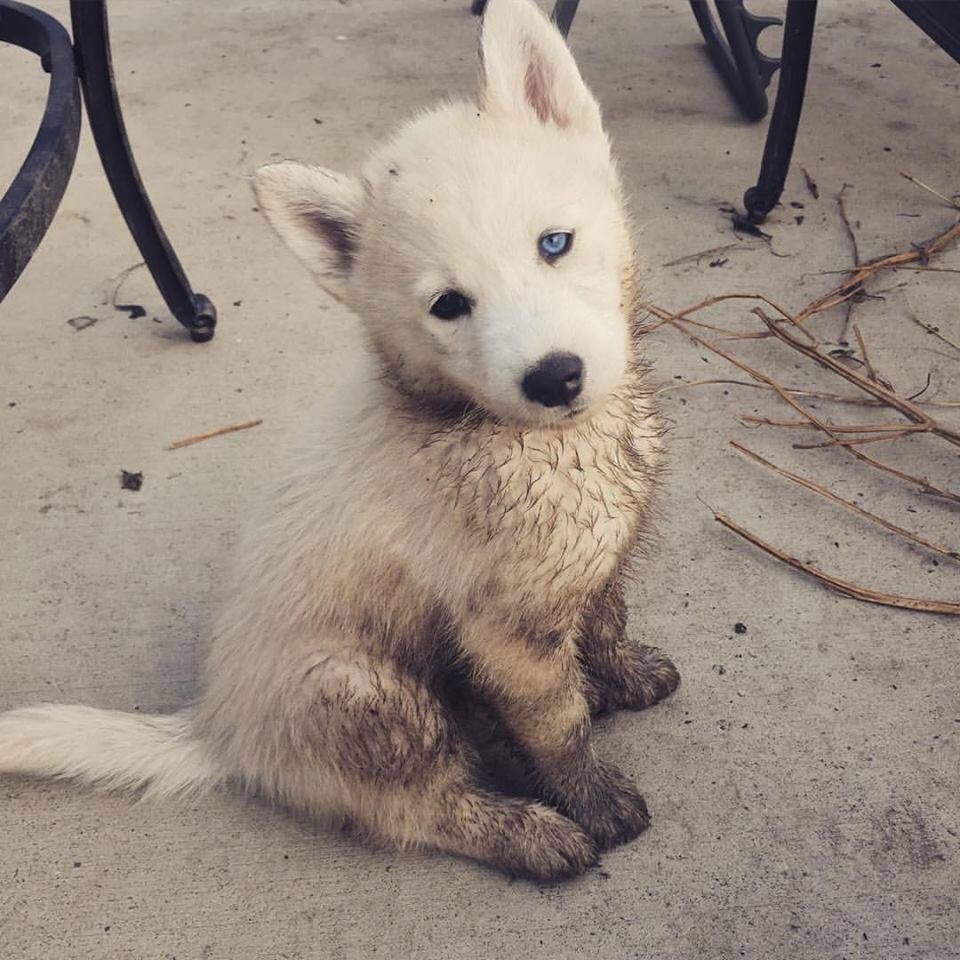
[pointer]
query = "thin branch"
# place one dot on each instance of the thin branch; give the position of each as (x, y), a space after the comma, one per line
(929, 328)
(843, 587)
(666, 317)
(810, 394)
(864, 271)
(856, 441)
(947, 200)
(711, 250)
(849, 505)
(879, 392)
(851, 301)
(189, 441)
(871, 370)
(851, 236)
(924, 485)
(837, 427)
(923, 389)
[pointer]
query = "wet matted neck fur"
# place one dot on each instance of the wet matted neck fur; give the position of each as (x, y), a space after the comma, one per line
(435, 581)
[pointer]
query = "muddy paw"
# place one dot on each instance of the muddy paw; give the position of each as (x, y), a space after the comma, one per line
(612, 810)
(549, 847)
(646, 678)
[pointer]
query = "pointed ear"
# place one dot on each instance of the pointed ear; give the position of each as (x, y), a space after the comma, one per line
(528, 69)
(315, 212)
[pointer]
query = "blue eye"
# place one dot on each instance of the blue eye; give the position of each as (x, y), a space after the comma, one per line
(555, 244)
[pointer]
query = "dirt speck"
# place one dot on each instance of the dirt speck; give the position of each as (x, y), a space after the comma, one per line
(130, 480)
(133, 310)
(82, 322)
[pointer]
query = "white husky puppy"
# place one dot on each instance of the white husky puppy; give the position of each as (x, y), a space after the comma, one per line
(429, 607)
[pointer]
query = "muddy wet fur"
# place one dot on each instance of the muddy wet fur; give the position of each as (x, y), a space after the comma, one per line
(428, 607)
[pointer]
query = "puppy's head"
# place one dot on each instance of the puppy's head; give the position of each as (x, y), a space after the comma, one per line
(485, 246)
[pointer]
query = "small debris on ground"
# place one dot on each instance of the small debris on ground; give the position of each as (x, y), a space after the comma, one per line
(189, 441)
(739, 627)
(130, 480)
(82, 322)
(811, 184)
(744, 225)
(133, 310)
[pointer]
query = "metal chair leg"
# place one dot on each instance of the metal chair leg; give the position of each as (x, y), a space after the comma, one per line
(92, 50)
(563, 12)
(938, 20)
(782, 132)
(29, 205)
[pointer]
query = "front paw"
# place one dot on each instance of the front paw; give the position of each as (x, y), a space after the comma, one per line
(644, 677)
(609, 808)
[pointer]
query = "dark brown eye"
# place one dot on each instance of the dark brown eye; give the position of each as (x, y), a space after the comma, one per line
(451, 305)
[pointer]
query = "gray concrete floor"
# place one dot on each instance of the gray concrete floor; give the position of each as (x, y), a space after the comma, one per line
(803, 781)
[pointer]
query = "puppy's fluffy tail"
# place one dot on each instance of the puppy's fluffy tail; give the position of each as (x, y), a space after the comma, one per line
(106, 749)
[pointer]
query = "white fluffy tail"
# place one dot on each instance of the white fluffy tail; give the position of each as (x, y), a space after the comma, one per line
(106, 749)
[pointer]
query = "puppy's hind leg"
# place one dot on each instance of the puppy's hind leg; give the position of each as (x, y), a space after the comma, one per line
(407, 776)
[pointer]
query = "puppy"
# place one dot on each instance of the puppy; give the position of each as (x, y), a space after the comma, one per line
(439, 569)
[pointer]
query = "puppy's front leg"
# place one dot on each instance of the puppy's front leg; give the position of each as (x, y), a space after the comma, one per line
(536, 685)
(619, 673)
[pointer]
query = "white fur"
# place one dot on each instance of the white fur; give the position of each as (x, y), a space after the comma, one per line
(458, 199)
(105, 749)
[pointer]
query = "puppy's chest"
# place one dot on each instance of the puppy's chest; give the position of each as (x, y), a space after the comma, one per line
(550, 513)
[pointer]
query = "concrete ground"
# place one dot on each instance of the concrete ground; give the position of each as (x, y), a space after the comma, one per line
(804, 779)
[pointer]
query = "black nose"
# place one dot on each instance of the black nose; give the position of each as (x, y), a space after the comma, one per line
(557, 379)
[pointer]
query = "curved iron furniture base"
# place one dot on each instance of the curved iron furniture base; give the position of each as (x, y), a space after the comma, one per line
(29, 205)
(939, 19)
(735, 54)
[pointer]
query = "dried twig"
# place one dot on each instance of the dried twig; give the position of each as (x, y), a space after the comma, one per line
(924, 484)
(877, 392)
(852, 300)
(690, 257)
(843, 587)
(851, 236)
(863, 272)
(947, 200)
(849, 505)
(796, 392)
(177, 444)
(871, 370)
(904, 407)
(855, 441)
(932, 330)
(836, 427)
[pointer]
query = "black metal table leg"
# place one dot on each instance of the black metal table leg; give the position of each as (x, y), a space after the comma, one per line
(781, 135)
(735, 54)
(938, 19)
(30, 203)
(92, 50)
(563, 12)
